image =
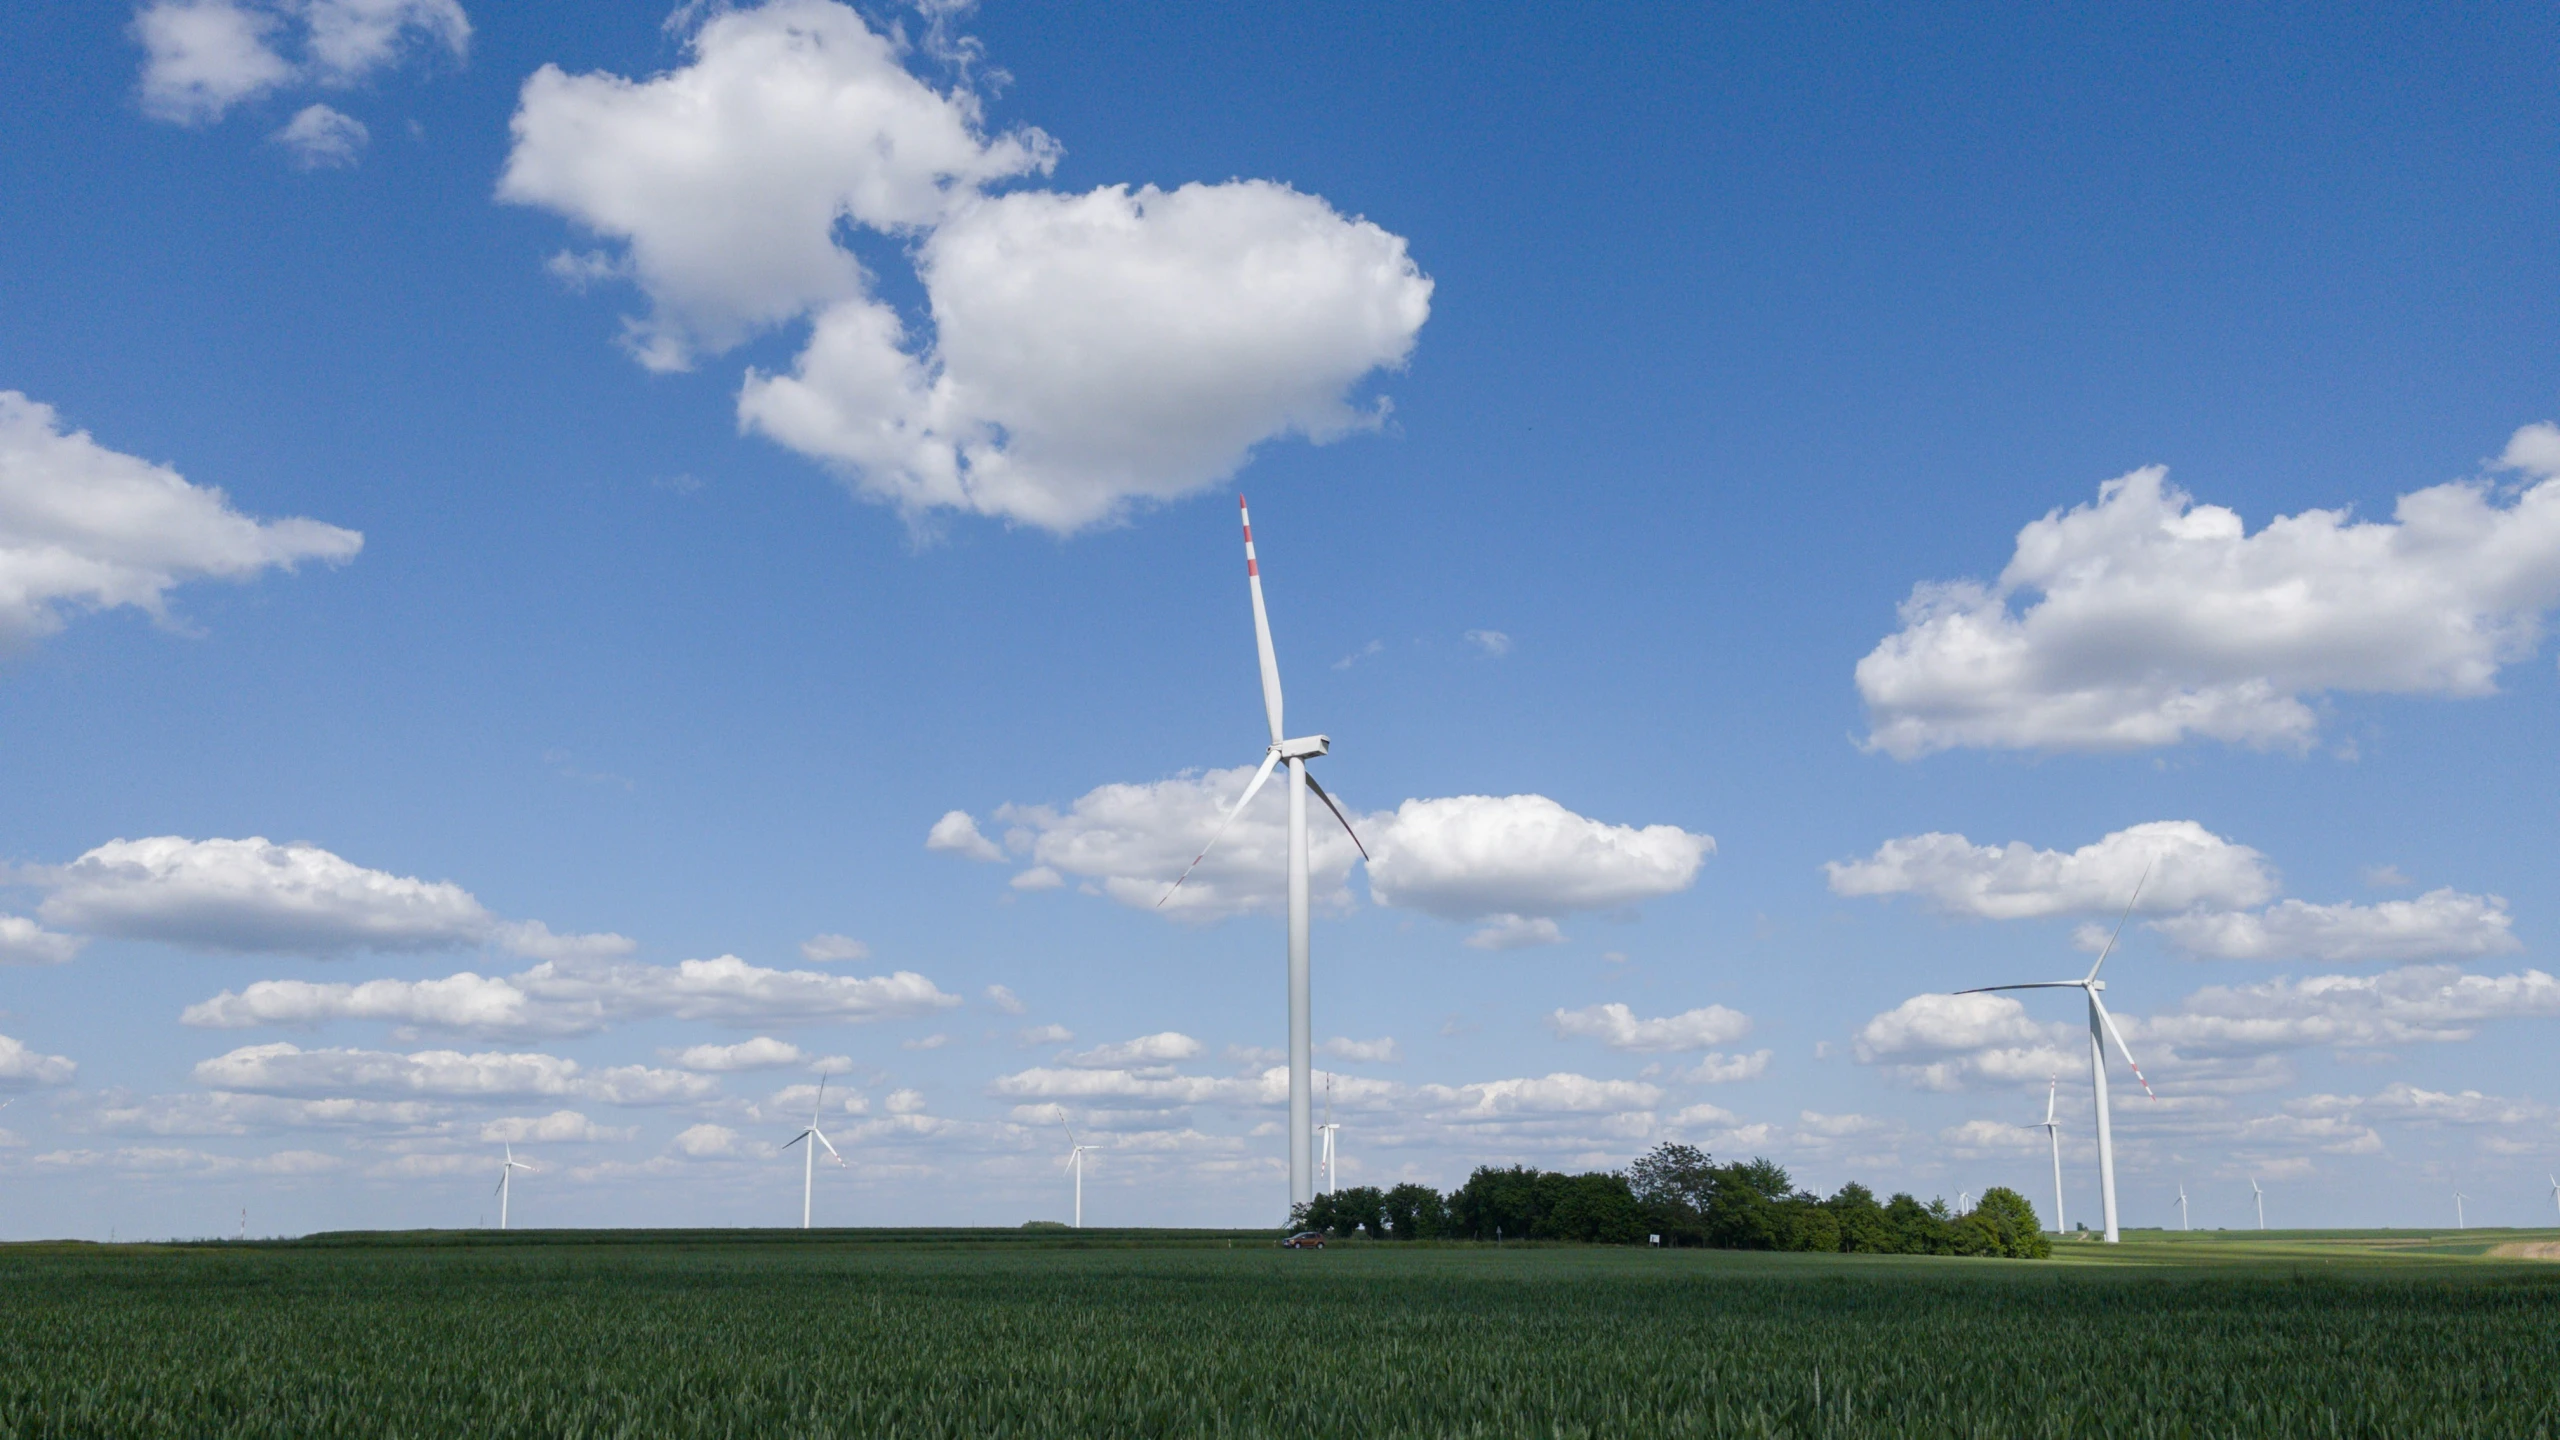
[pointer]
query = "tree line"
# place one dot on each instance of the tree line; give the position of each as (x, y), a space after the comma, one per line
(1679, 1193)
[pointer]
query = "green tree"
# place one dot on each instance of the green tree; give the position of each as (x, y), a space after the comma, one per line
(2011, 1220)
(1415, 1212)
(1864, 1227)
(1673, 1185)
(1362, 1209)
(1596, 1208)
(1919, 1229)
(1496, 1203)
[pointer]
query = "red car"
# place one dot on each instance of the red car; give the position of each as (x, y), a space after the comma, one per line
(1304, 1240)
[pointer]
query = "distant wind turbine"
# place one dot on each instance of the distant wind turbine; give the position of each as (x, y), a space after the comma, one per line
(2102, 1028)
(1297, 752)
(1964, 1201)
(2261, 1196)
(506, 1174)
(2458, 1198)
(1075, 1162)
(2182, 1205)
(2555, 1190)
(809, 1167)
(1327, 1130)
(2053, 1132)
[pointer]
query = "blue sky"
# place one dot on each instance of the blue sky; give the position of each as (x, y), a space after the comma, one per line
(731, 443)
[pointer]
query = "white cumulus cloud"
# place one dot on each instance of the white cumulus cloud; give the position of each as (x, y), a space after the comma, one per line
(2416, 1004)
(85, 527)
(560, 1127)
(1558, 1094)
(1381, 1051)
(1163, 1048)
(833, 950)
(24, 942)
(1472, 856)
(1619, 1028)
(22, 1067)
(201, 57)
(2439, 925)
(2189, 866)
(762, 1053)
(1086, 352)
(323, 139)
(1950, 1042)
(2145, 618)
(286, 1069)
(957, 833)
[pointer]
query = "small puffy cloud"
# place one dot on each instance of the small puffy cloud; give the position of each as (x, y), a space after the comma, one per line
(465, 1002)
(323, 139)
(256, 896)
(85, 527)
(934, 1041)
(957, 833)
(2146, 619)
(201, 57)
(1473, 856)
(2439, 925)
(833, 950)
(1978, 1137)
(1951, 1042)
(904, 1102)
(22, 1068)
(2189, 866)
(535, 941)
(762, 1053)
(1515, 932)
(285, 1069)
(1045, 1035)
(1382, 1050)
(1038, 877)
(1002, 998)
(1718, 1068)
(2385, 877)
(706, 1142)
(1491, 642)
(563, 1127)
(1558, 1094)
(1704, 1117)
(24, 942)
(1126, 1088)
(1163, 1048)
(1129, 842)
(1619, 1028)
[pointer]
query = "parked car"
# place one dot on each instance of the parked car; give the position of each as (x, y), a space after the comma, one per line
(1304, 1240)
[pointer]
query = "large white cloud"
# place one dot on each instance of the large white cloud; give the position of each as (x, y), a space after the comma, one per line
(1619, 1028)
(1515, 861)
(566, 997)
(201, 57)
(2415, 1004)
(1086, 351)
(2439, 925)
(1949, 1042)
(82, 526)
(1557, 1094)
(286, 1069)
(2146, 619)
(2189, 866)
(255, 896)
(22, 1066)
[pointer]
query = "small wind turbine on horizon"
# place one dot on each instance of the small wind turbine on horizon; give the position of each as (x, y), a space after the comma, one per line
(506, 1174)
(2261, 1197)
(1327, 1130)
(2182, 1206)
(2458, 1198)
(2555, 1190)
(1964, 1201)
(2102, 1028)
(2053, 1132)
(1297, 752)
(1075, 1162)
(809, 1168)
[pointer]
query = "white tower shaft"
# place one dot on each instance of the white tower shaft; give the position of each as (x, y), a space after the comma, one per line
(2060, 1226)
(2106, 1127)
(1302, 1094)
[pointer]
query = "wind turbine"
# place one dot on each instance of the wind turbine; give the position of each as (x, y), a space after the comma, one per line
(2053, 1132)
(1964, 1201)
(1075, 1162)
(2182, 1205)
(1327, 1130)
(507, 1173)
(2458, 1198)
(809, 1169)
(2262, 1201)
(1297, 752)
(2555, 1189)
(2102, 1028)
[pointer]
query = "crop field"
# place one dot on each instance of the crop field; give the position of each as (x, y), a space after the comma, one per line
(879, 1334)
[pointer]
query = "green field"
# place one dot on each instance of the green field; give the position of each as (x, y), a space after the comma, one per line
(1038, 1334)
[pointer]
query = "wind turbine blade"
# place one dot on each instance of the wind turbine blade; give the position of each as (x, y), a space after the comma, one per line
(821, 1105)
(796, 1139)
(1261, 628)
(831, 1148)
(1270, 758)
(2121, 1048)
(2051, 1091)
(501, 1185)
(1338, 815)
(2127, 915)
(2029, 985)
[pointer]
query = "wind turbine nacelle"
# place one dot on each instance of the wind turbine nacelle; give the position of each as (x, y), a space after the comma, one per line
(2097, 984)
(1304, 748)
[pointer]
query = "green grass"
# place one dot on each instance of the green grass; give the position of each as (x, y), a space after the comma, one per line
(1036, 1334)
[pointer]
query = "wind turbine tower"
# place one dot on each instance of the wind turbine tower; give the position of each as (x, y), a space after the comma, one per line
(2182, 1206)
(2102, 1028)
(1327, 1130)
(1075, 1162)
(2458, 1198)
(809, 1165)
(1297, 752)
(506, 1174)
(2261, 1197)
(2053, 1132)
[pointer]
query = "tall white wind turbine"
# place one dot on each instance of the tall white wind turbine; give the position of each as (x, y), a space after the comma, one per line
(1075, 1162)
(2261, 1198)
(1297, 752)
(2053, 1132)
(2102, 1028)
(506, 1174)
(2182, 1206)
(809, 1166)
(1328, 1130)
(2458, 1198)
